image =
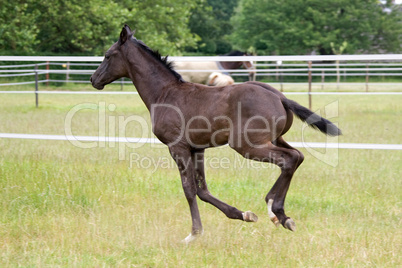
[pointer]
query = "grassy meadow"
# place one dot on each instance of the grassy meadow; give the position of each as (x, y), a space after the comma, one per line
(116, 206)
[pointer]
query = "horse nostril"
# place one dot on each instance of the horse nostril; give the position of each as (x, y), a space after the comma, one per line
(90, 79)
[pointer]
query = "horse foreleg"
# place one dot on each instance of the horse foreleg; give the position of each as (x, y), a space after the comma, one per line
(204, 194)
(182, 157)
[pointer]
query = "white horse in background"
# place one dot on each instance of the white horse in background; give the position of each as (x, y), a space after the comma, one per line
(219, 79)
(198, 76)
(191, 71)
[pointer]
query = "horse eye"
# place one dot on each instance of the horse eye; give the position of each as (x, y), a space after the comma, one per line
(107, 56)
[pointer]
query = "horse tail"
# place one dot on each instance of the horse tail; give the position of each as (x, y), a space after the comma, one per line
(312, 119)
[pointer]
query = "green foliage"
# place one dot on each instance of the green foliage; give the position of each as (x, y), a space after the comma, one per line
(77, 26)
(90, 27)
(16, 29)
(300, 27)
(162, 24)
(203, 26)
(211, 21)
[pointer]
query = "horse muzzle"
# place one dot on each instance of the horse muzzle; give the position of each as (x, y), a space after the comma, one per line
(95, 85)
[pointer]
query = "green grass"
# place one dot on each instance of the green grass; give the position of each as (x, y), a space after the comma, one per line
(61, 205)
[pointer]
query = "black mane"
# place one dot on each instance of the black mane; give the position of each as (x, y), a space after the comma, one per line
(164, 60)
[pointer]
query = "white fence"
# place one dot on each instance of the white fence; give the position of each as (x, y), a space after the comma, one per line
(361, 146)
(266, 66)
(275, 69)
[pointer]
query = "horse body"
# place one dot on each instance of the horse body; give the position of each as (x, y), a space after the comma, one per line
(189, 117)
(222, 121)
(196, 76)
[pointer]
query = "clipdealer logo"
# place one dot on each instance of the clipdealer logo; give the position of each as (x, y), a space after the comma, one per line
(112, 131)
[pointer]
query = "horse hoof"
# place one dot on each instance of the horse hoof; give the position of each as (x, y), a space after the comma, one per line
(290, 224)
(191, 238)
(250, 216)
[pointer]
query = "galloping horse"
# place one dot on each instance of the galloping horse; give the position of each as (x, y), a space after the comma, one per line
(197, 76)
(188, 118)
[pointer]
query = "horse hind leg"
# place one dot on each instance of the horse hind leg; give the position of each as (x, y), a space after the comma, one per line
(204, 194)
(288, 159)
(278, 192)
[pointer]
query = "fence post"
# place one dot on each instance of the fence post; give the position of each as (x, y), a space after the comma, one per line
(322, 79)
(279, 65)
(36, 86)
(309, 84)
(47, 74)
(338, 78)
(67, 73)
(121, 83)
(367, 76)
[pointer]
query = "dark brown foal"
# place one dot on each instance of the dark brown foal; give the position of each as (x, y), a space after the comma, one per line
(188, 118)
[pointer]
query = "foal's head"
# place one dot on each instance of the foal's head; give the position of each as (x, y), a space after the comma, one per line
(113, 65)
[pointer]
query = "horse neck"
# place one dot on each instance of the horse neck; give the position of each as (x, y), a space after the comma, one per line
(149, 75)
(229, 65)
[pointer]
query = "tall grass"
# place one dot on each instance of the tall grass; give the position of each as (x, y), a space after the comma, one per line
(61, 205)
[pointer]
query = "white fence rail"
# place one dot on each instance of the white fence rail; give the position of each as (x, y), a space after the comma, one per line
(363, 146)
(274, 66)
(283, 66)
(276, 69)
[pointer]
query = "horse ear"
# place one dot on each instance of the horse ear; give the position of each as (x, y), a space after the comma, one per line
(125, 34)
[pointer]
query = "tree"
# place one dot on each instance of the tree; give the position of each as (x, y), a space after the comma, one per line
(162, 24)
(303, 26)
(17, 32)
(77, 26)
(210, 20)
(91, 26)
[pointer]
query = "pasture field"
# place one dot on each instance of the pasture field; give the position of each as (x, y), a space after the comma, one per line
(112, 205)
